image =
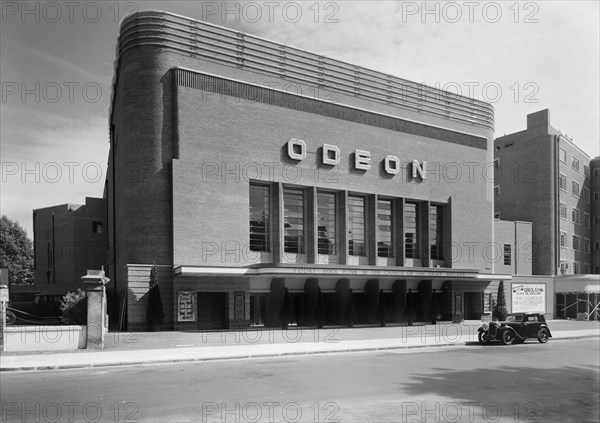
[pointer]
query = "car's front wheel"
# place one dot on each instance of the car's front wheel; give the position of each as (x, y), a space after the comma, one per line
(543, 335)
(10, 318)
(507, 337)
(483, 337)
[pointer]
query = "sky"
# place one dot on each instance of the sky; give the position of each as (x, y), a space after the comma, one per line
(57, 64)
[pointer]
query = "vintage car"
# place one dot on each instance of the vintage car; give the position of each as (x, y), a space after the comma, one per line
(516, 328)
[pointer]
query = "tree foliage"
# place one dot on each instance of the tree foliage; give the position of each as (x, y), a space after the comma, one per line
(500, 312)
(73, 308)
(16, 252)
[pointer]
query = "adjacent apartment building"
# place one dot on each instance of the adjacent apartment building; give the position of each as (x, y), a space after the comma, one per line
(544, 178)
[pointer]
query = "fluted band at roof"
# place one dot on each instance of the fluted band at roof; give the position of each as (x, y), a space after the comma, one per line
(231, 48)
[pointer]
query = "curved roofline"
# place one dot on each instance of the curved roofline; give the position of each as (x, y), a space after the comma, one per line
(289, 46)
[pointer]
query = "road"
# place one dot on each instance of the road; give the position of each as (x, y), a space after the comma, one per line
(555, 382)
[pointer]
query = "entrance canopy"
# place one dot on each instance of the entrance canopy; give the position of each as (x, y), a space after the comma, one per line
(308, 270)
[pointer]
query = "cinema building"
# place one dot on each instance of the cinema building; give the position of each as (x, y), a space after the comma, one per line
(260, 177)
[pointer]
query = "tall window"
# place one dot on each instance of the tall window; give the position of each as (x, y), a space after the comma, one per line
(356, 221)
(563, 211)
(562, 182)
(575, 215)
(411, 230)
(507, 255)
(436, 232)
(259, 218)
(563, 239)
(575, 164)
(327, 223)
(575, 188)
(586, 195)
(576, 242)
(384, 229)
(562, 155)
(293, 220)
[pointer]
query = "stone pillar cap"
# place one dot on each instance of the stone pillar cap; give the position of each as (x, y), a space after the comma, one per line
(95, 276)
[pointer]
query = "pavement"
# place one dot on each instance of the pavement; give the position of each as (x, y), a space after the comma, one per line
(137, 348)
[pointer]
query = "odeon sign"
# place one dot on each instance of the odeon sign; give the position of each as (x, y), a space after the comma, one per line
(330, 155)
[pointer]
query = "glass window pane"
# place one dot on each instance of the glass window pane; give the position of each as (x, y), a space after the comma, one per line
(411, 232)
(293, 221)
(327, 241)
(356, 225)
(436, 232)
(259, 218)
(384, 229)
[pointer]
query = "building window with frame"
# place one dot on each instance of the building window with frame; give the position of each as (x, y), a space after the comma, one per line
(97, 227)
(411, 230)
(357, 226)
(586, 195)
(575, 215)
(597, 172)
(596, 195)
(586, 220)
(586, 268)
(260, 237)
(576, 269)
(586, 245)
(562, 182)
(575, 164)
(575, 188)
(562, 155)
(385, 226)
(496, 190)
(563, 239)
(293, 220)
(507, 254)
(576, 242)
(436, 232)
(563, 211)
(327, 226)
(564, 266)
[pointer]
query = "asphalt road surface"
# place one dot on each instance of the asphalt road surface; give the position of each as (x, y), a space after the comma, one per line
(555, 382)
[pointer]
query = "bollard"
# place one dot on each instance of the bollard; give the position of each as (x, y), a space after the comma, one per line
(97, 319)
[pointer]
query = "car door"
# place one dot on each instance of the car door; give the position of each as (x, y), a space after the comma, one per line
(532, 326)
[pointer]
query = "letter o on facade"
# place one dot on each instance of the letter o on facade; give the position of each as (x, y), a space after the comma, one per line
(392, 165)
(331, 155)
(296, 149)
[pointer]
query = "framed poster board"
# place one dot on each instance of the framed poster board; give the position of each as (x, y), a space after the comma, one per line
(487, 302)
(528, 297)
(239, 305)
(186, 306)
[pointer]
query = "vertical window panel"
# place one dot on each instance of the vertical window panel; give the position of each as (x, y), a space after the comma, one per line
(293, 221)
(384, 229)
(356, 226)
(436, 232)
(411, 231)
(327, 223)
(259, 218)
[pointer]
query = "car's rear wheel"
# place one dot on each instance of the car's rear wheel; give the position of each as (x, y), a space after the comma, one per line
(507, 337)
(543, 335)
(483, 338)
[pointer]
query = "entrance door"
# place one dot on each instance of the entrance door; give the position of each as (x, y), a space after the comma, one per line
(212, 310)
(473, 305)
